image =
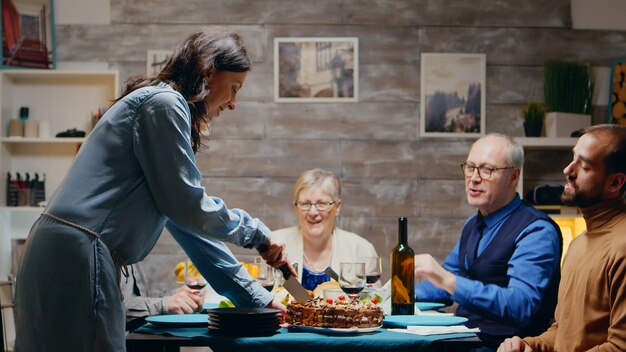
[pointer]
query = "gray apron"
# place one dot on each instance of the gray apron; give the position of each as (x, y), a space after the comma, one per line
(67, 294)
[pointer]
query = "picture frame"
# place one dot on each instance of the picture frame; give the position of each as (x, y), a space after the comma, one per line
(452, 95)
(28, 34)
(155, 61)
(617, 95)
(316, 69)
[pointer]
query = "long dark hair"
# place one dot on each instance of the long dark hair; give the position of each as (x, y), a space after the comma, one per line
(187, 67)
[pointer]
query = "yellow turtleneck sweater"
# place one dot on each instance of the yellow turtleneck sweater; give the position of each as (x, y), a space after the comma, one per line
(591, 311)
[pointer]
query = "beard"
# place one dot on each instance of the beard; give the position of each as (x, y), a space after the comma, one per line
(581, 199)
(569, 198)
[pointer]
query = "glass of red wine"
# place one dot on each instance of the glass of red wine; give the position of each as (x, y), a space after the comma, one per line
(266, 276)
(373, 269)
(352, 278)
(193, 279)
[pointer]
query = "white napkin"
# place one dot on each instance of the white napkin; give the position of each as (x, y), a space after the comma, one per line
(436, 330)
(386, 304)
(432, 312)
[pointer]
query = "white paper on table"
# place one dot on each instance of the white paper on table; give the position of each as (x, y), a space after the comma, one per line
(436, 330)
(431, 312)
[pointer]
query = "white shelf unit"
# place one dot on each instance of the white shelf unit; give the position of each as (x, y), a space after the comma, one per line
(564, 143)
(65, 99)
(547, 142)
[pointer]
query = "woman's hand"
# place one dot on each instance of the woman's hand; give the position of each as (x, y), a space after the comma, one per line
(275, 303)
(274, 254)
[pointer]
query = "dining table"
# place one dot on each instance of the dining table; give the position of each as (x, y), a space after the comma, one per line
(151, 337)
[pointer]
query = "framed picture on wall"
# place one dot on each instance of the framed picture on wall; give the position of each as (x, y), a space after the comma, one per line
(155, 60)
(452, 100)
(617, 98)
(28, 37)
(316, 70)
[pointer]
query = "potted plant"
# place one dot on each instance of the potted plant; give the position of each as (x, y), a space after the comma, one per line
(568, 91)
(533, 118)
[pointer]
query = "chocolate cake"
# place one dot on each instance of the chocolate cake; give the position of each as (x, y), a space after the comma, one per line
(335, 314)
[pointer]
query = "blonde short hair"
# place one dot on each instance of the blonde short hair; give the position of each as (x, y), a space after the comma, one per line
(324, 179)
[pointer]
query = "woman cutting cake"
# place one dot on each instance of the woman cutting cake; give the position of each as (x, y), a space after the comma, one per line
(316, 243)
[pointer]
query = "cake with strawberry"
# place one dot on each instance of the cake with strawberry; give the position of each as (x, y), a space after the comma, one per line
(339, 313)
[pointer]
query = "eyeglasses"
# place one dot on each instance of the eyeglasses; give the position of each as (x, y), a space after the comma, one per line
(484, 172)
(320, 206)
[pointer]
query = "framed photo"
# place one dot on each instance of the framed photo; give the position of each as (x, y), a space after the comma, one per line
(452, 95)
(28, 35)
(155, 60)
(316, 70)
(617, 98)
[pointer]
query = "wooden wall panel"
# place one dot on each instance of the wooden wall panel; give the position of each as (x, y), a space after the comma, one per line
(327, 12)
(277, 158)
(257, 151)
(524, 46)
(538, 13)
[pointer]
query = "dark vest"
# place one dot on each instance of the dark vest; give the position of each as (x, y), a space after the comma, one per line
(491, 268)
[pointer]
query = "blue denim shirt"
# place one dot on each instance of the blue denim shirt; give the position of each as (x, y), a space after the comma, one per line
(136, 172)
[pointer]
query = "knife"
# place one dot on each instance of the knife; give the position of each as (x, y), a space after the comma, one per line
(293, 286)
(333, 274)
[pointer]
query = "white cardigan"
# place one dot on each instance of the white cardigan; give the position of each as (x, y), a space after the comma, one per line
(347, 247)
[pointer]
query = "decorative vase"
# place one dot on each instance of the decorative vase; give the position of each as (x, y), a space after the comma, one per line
(561, 124)
(533, 128)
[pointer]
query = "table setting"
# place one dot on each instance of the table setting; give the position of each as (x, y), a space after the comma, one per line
(398, 333)
(231, 329)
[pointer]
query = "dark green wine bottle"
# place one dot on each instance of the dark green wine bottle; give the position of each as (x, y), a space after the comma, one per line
(402, 274)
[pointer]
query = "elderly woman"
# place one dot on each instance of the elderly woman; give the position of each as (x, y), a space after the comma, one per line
(316, 243)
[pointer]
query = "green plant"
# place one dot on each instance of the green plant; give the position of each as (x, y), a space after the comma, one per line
(534, 112)
(568, 86)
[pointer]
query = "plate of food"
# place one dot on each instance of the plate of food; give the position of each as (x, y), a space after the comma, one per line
(328, 316)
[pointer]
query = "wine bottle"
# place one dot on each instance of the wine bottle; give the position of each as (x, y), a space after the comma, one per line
(402, 274)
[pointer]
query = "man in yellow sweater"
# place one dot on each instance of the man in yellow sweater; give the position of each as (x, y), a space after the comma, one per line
(591, 310)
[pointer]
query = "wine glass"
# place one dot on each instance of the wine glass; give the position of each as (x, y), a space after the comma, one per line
(352, 278)
(278, 277)
(373, 269)
(266, 276)
(193, 279)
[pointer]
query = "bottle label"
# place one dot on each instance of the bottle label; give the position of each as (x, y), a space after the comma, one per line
(400, 293)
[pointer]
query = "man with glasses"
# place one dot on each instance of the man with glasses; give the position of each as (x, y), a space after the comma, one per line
(504, 270)
(591, 315)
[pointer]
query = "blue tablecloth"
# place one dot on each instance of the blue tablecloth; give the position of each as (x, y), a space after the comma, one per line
(284, 340)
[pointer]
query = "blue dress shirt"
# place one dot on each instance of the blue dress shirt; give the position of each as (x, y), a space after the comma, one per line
(530, 269)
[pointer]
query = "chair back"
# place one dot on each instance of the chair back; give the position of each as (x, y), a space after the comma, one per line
(7, 316)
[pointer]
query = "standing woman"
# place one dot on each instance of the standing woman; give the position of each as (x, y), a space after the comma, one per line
(135, 174)
(317, 243)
